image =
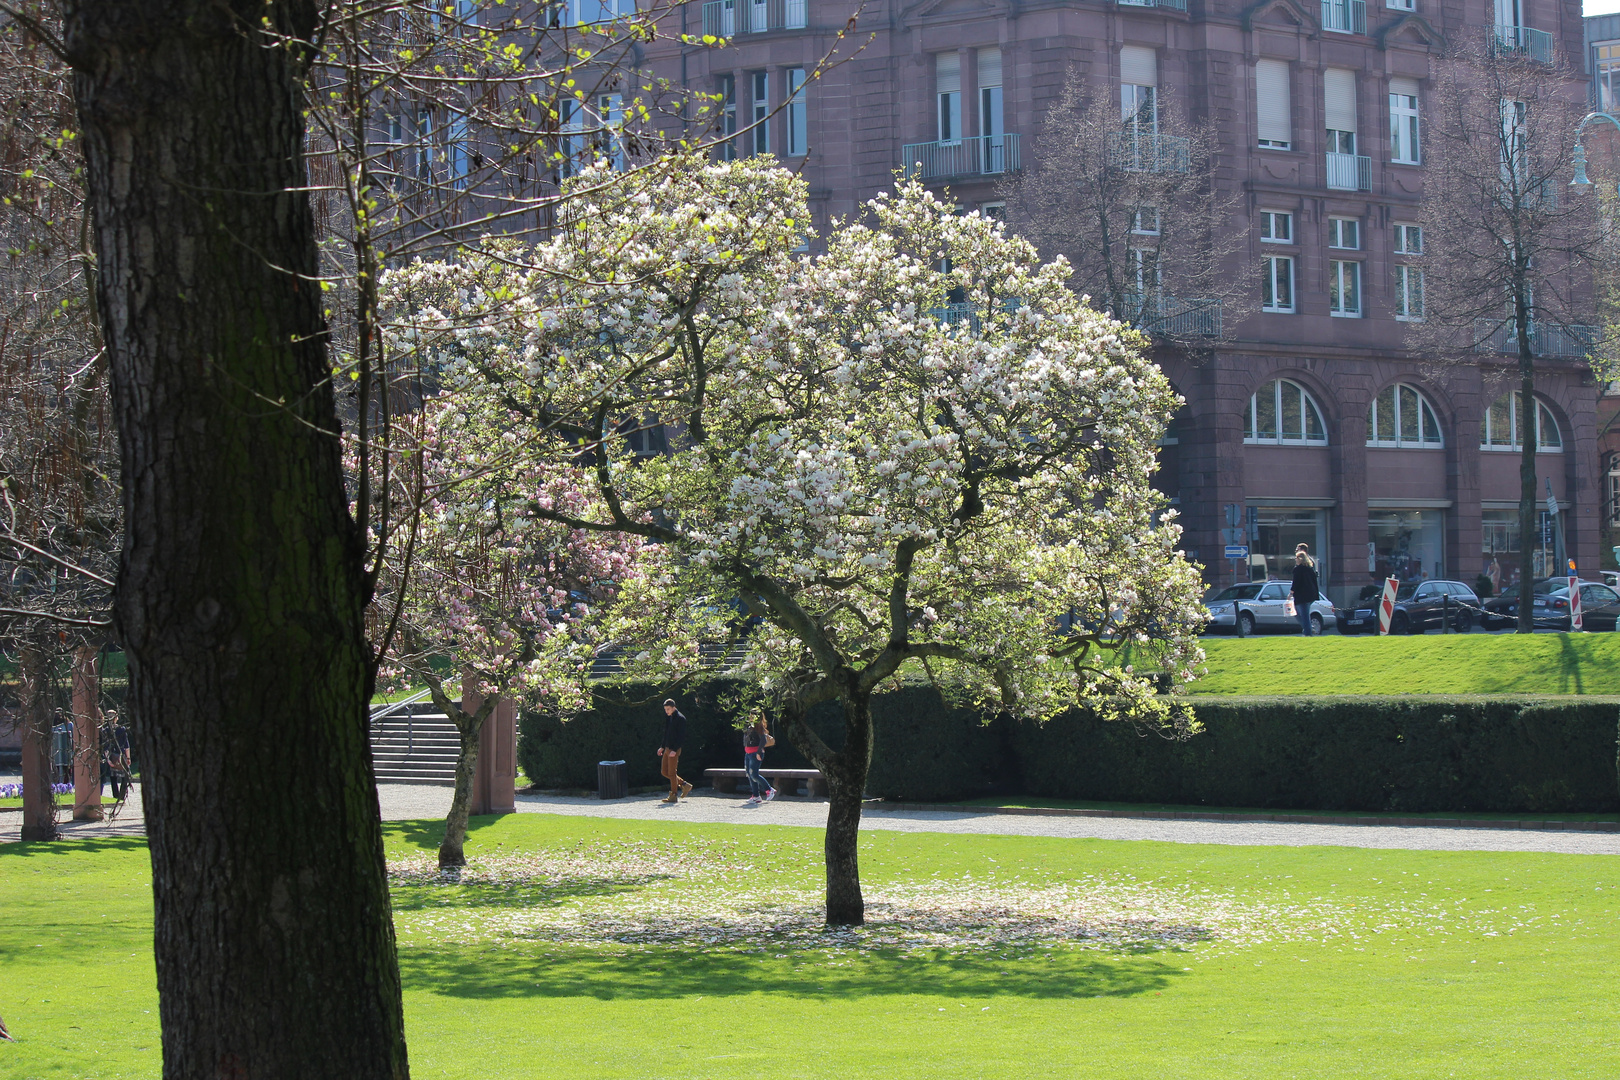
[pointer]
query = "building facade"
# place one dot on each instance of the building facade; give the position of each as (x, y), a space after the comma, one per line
(1309, 420)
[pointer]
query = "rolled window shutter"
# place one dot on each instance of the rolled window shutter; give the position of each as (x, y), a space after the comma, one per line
(1271, 101)
(989, 67)
(1404, 87)
(1340, 93)
(1138, 66)
(948, 72)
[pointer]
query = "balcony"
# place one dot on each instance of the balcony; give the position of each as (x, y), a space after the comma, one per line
(1349, 172)
(1142, 151)
(982, 155)
(728, 18)
(1536, 44)
(1170, 316)
(1345, 16)
(1574, 342)
(1173, 5)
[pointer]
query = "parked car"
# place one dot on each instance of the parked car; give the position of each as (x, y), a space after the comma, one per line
(1503, 611)
(1263, 607)
(1600, 607)
(1419, 606)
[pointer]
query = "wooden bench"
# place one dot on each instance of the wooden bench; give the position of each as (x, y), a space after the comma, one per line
(785, 781)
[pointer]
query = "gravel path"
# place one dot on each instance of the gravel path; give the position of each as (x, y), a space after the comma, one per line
(403, 802)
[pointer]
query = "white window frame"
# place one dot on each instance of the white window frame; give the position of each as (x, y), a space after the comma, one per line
(1145, 221)
(1275, 269)
(1268, 226)
(759, 86)
(798, 114)
(1405, 130)
(1341, 228)
(1408, 239)
(1344, 288)
(728, 116)
(1544, 420)
(1408, 293)
(1308, 407)
(1427, 419)
(1401, 5)
(995, 211)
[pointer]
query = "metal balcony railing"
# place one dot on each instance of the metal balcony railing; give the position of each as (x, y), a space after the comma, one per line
(728, 18)
(1144, 151)
(1345, 16)
(1503, 338)
(982, 155)
(1538, 44)
(1349, 172)
(1172, 316)
(1176, 5)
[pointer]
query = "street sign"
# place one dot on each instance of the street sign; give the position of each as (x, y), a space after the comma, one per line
(1576, 620)
(1236, 551)
(1231, 536)
(1386, 605)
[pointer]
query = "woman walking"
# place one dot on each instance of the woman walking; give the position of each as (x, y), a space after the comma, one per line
(756, 737)
(1306, 590)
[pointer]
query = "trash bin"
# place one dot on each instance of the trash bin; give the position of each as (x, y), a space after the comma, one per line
(610, 780)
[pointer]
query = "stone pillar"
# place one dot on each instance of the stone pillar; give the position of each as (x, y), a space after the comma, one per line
(87, 734)
(39, 805)
(495, 777)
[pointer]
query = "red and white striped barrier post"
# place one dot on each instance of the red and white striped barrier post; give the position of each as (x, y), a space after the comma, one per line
(1386, 606)
(1575, 620)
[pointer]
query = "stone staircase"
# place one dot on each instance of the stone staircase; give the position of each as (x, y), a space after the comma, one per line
(416, 745)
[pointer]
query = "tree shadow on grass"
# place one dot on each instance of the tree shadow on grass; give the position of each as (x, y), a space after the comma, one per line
(428, 833)
(73, 845)
(561, 972)
(433, 896)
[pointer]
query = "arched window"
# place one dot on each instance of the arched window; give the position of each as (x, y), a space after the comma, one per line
(1500, 431)
(1401, 416)
(1282, 412)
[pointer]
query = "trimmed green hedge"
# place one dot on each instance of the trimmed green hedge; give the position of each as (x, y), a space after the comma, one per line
(1413, 754)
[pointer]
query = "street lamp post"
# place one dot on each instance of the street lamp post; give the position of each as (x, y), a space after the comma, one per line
(1579, 180)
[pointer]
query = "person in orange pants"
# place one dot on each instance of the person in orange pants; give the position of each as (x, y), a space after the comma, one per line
(670, 751)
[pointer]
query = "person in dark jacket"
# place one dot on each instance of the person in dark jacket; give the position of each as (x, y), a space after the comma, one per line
(670, 751)
(1306, 590)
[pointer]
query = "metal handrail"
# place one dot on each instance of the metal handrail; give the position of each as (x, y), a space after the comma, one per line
(979, 155)
(1349, 172)
(382, 712)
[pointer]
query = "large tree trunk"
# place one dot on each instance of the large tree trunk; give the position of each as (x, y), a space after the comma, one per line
(451, 851)
(846, 785)
(39, 801)
(241, 585)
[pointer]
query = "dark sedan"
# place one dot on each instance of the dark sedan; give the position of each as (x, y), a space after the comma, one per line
(1503, 611)
(1600, 608)
(1419, 605)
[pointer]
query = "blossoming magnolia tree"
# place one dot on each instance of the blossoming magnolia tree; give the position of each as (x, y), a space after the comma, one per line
(490, 584)
(883, 481)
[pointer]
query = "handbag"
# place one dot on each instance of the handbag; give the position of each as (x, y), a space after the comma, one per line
(1288, 607)
(770, 740)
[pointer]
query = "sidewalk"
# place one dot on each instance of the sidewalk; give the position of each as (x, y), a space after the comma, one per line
(407, 802)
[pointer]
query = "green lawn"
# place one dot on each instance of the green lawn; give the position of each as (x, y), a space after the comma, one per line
(593, 948)
(1427, 664)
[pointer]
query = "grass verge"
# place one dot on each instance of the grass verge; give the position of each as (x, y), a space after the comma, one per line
(588, 947)
(1426, 664)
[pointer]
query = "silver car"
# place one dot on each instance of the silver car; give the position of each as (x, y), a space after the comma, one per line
(1261, 606)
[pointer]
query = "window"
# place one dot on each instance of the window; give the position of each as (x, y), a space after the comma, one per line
(1272, 107)
(1404, 143)
(1276, 227)
(992, 124)
(1515, 154)
(1408, 294)
(1145, 221)
(1282, 412)
(424, 145)
(1500, 431)
(1339, 100)
(948, 89)
(1344, 289)
(995, 211)
(1344, 233)
(1401, 416)
(1408, 239)
(1277, 283)
(1145, 265)
(586, 12)
(1608, 77)
(798, 123)
(1138, 88)
(761, 83)
(1401, 5)
(460, 156)
(727, 91)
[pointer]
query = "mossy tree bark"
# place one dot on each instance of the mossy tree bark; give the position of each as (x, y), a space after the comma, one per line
(241, 584)
(39, 802)
(469, 729)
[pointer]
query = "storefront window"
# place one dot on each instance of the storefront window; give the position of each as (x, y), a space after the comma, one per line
(1501, 548)
(1407, 544)
(1279, 530)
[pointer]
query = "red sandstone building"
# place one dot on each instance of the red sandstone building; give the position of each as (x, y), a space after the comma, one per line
(1310, 415)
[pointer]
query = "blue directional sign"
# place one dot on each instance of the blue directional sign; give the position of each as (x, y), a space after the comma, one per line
(1237, 551)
